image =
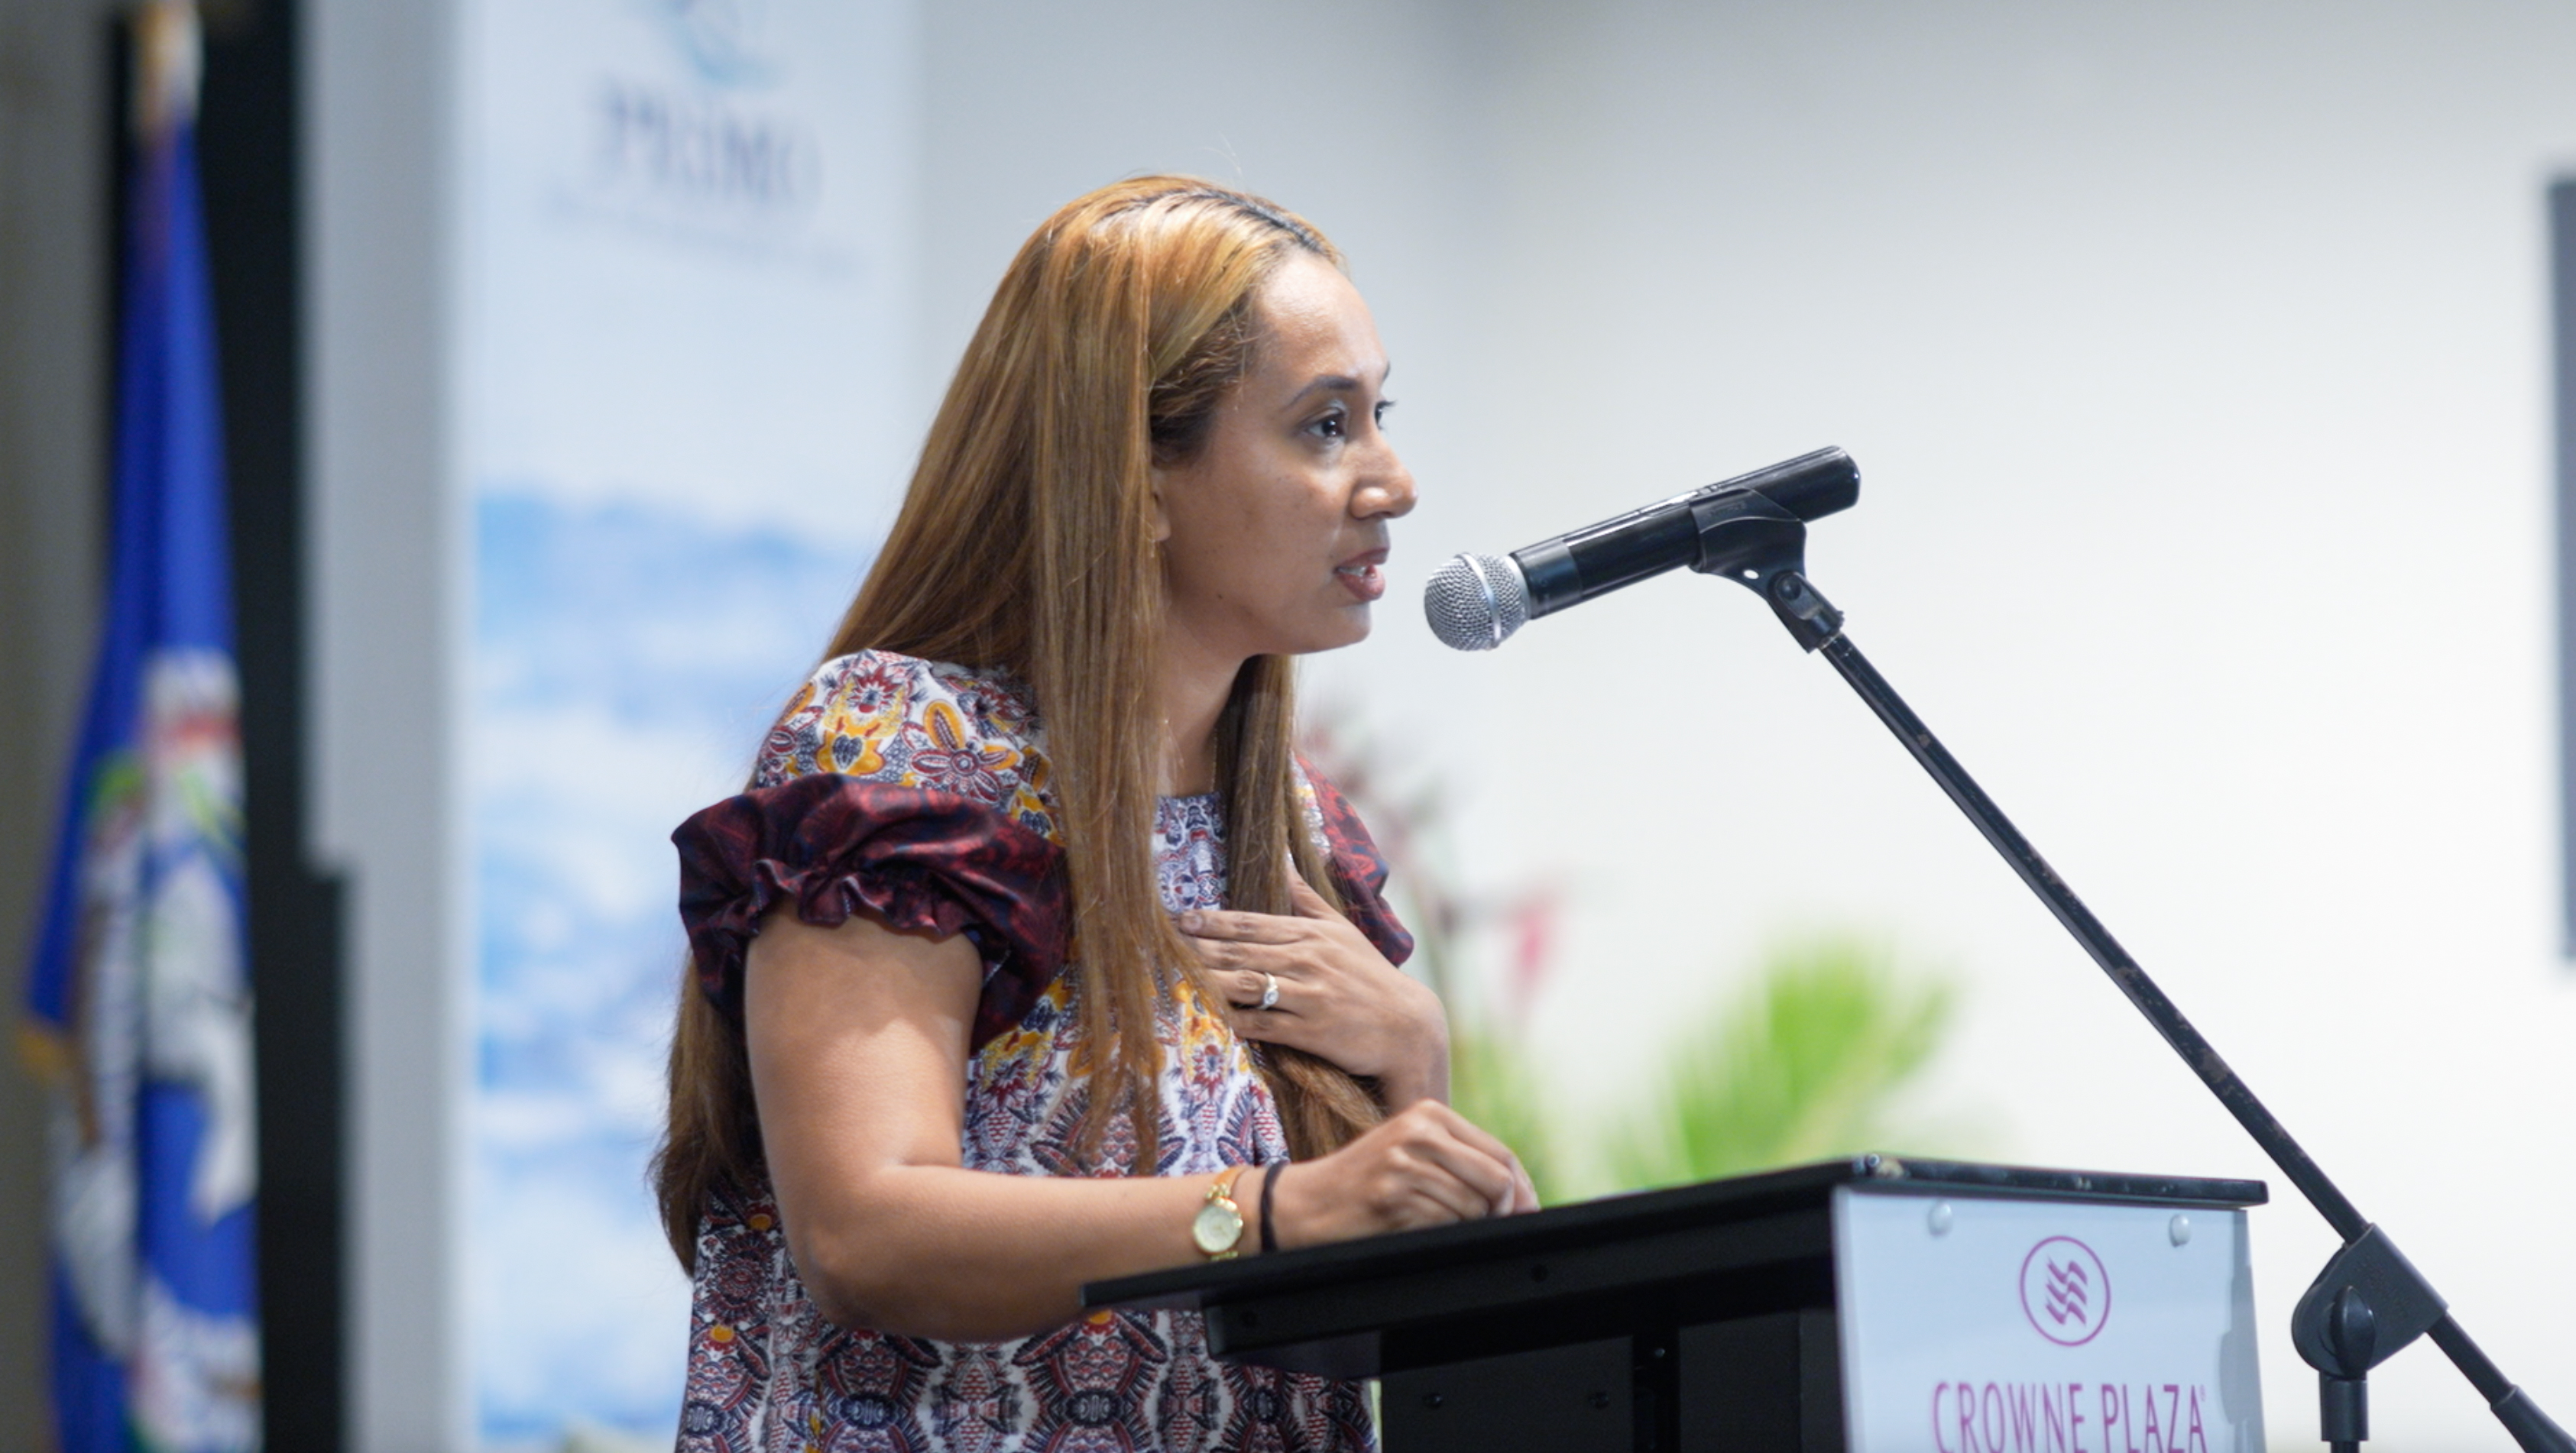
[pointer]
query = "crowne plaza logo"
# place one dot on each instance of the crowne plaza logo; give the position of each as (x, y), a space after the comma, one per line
(2065, 1291)
(2148, 1390)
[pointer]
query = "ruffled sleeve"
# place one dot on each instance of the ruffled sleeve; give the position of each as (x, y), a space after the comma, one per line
(1359, 872)
(902, 790)
(914, 859)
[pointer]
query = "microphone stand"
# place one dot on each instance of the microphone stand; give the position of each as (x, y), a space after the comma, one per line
(2369, 1302)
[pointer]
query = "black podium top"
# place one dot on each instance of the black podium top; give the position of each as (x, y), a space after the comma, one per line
(1706, 1252)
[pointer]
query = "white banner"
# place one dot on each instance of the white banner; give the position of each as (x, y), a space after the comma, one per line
(683, 427)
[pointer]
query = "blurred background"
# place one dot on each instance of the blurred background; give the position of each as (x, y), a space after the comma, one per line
(2197, 357)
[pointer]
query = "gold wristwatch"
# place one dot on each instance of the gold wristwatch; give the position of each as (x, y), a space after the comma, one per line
(1218, 1227)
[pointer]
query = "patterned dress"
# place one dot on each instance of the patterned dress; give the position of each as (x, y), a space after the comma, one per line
(916, 793)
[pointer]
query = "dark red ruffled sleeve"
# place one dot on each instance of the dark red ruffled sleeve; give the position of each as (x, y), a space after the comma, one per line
(914, 859)
(1359, 873)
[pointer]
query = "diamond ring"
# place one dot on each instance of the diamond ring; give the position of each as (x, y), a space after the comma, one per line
(1270, 991)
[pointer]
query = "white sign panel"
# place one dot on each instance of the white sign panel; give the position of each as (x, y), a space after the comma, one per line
(2030, 1326)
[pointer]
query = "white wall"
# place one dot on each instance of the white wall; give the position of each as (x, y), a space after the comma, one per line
(387, 629)
(2195, 356)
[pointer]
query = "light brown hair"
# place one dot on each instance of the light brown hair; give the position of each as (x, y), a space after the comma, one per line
(1026, 543)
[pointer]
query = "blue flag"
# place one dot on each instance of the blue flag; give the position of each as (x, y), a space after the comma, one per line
(138, 996)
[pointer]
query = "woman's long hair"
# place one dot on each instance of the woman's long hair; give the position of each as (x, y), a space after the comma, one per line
(1026, 543)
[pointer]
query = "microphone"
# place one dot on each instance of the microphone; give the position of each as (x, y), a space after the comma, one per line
(1475, 602)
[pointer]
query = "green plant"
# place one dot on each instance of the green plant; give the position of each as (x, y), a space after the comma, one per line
(1493, 1081)
(1806, 1064)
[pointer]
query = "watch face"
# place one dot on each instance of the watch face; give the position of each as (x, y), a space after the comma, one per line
(1217, 1227)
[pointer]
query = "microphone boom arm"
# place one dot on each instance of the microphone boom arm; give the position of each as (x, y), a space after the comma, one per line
(2370, 1301)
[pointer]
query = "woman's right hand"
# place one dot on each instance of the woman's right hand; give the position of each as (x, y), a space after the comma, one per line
(1426, 1165)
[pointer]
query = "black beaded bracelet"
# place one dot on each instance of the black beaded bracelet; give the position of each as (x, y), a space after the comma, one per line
(1269, 1178)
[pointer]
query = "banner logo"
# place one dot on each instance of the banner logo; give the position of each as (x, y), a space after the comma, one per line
(2065, 1291)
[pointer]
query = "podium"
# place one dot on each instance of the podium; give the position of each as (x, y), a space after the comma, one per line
(1877, 1305)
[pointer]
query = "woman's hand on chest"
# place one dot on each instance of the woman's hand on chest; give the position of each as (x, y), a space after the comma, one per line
(1336, 996)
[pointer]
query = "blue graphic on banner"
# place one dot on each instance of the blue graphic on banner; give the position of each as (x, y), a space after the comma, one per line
(628, 659)
(138, 996)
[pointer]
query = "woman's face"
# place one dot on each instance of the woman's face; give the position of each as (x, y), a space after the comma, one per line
(1274, 534)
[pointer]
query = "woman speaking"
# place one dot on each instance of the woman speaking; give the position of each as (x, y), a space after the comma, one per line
(1033, 955)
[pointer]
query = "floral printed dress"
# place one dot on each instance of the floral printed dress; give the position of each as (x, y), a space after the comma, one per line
(916, 793)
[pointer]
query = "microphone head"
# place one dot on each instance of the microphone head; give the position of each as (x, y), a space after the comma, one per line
(1476, 601)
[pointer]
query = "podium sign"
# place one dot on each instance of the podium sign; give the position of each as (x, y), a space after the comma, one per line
(1973, 1325)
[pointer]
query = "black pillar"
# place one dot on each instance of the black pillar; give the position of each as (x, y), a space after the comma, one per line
(249, 139)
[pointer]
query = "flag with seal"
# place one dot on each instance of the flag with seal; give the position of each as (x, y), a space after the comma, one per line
(138, 996)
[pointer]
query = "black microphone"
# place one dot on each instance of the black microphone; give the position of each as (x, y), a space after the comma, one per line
(1475, 602)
